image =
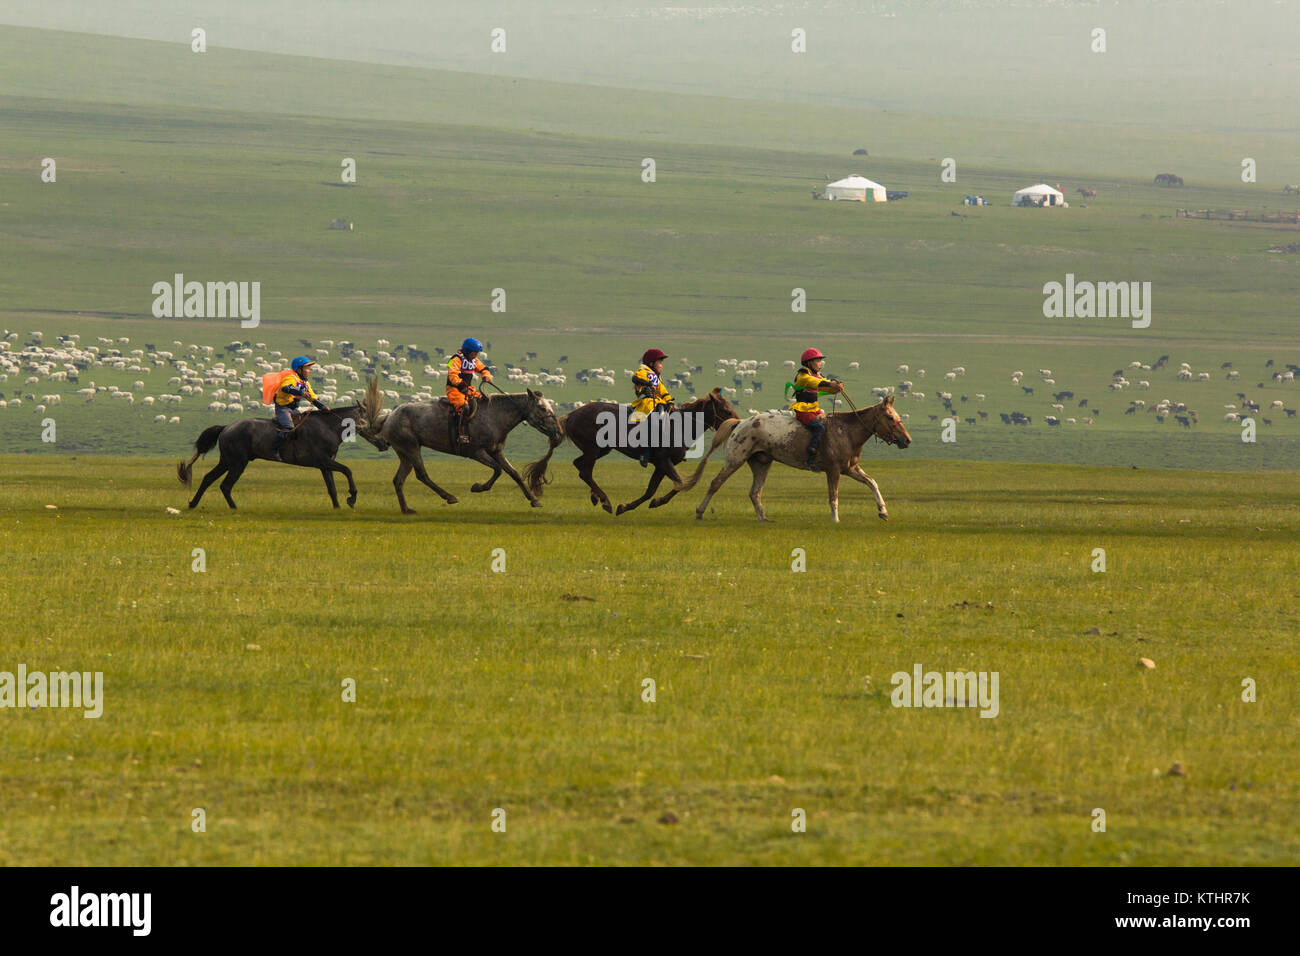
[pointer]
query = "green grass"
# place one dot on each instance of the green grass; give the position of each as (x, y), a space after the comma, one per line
(479, 690)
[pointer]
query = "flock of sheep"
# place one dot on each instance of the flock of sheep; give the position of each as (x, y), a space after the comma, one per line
(227, 380)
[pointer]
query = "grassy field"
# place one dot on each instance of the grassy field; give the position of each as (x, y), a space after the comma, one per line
(522, 689)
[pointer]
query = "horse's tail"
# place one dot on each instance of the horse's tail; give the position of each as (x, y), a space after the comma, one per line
(535, 472)
(723, 433)
(201, 447)
(373, 415)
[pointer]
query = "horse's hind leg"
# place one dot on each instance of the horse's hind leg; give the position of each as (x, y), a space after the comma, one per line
(857, 474)
(760, 467)
(727, 471)
(329, 485)
(208, 479)
(236, 469)
(586, 464)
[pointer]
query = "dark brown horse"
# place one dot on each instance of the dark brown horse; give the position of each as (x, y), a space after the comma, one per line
(589, 428)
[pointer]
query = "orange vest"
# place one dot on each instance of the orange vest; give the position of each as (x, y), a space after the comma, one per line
(271, 384)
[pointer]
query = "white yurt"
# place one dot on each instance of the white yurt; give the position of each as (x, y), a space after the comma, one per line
(1040, 195)
(858, 188)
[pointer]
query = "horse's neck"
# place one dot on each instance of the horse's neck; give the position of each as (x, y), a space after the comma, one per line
(858, 425)
(514, 416)
(335, 422)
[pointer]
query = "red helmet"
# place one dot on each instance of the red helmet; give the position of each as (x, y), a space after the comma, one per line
(809, 355)
(651, 356)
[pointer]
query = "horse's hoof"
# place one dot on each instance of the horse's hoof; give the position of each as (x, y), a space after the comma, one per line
(884, 516)
(698, 516)
(352, 502)
(536, 503)
(408, 511)
(608, 509)
(477, 487)
(453, 500)
(619, 510)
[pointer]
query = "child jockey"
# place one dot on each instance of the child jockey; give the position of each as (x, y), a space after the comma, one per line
(807, 385)
(460, 382)
(650, 392)
(291, 386)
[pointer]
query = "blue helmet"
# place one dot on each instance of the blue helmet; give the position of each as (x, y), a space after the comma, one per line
(300, 362)
(471, 344)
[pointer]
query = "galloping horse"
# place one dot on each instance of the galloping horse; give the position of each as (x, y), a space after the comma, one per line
(314, 443)
(587, 428)
(416, 424)
(778, 436)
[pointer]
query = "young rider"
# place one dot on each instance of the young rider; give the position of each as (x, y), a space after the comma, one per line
(651, 395)
(808, 384)
(293, 385)
(460, 382)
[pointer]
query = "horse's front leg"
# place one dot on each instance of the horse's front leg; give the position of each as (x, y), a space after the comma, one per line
(676, 479)
(329, 485)
(655, 479)
(487, 485)
(347, 473)
(497, 461)
(857, 474)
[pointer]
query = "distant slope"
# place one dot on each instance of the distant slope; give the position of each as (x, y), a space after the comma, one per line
(81, 67)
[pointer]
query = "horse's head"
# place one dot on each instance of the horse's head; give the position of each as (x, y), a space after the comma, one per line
(539, 412)
(888, 426)
(717, 409)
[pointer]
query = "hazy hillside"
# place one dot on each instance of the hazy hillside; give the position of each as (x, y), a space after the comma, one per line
(1168, 64)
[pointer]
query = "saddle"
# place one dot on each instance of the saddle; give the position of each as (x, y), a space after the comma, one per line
(454, 422)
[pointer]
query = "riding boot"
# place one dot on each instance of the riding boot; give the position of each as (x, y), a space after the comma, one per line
(813, 443)
(281, 437)
(463, 431)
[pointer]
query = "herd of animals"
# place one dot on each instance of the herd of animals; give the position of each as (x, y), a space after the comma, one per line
(225, 380)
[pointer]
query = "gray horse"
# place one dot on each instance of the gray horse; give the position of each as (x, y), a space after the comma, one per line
(430, 424)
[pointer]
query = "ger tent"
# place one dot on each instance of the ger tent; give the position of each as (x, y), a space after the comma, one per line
(858, 188)
(1040, 195)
